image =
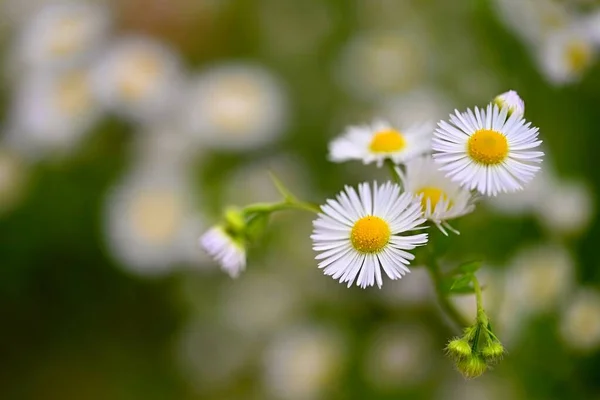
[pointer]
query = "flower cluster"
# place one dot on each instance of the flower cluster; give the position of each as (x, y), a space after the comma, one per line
(369, 232)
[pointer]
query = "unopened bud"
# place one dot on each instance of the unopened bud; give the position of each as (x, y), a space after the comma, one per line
(472, 367)
(459, 349)
(512, 101)
(493, 352)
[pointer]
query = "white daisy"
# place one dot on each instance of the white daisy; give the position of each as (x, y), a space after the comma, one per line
(380, 141)
(358, 234)
(512, 100)
(441, 199)
(139, 78)
(228, 251)
(487, 151)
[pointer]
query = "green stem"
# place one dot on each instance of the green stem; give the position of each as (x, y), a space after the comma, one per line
(447, 306)
(284, 205)
(392, 167)
(478, 296)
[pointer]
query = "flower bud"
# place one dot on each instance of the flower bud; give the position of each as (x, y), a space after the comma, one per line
(471, 367)
(493, 352)
(511, 100)
(235, 220)
(459, 349)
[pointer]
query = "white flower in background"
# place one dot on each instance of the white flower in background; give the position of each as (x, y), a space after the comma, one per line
(140, 79)
(13, 176)
(487, 151)
(566, 55)
(523, 201)
(512, 101)
(382, 63)
(260, 303)
(539, 278)
(211, 356)
(399, 356)
(416, 106)
(358, 234)
(590, 23)
(303, 363)
(580, 321)
(224, 248)
(533, 20)
(380, 141)
(52, 112)
(235, 106)
(493, 285)
(441, 198)
(487, 387)
(566, 208)
(61, 34)
(150, 222)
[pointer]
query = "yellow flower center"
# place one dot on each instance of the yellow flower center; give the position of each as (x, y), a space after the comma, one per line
(578, 55)
(433, 195)
(156, 216)
(73, 93)
(487, 147)
(370, 234)
(387, 141)
(138, 74)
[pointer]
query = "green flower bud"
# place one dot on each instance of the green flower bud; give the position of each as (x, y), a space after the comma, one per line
(471, 367)
(234, 219)
(459, 349)
(493, 352)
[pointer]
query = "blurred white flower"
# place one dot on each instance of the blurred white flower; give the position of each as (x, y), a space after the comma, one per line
(140, 79)
(565, 55)
(303, 363)
(235, 106)
(210, 356)
(591, 24)
(567, 208)
(416, 106)
(52, 112)
(533, 20)
(60, 35)
(13, 176)
(150, 221)
(538, 279)
(417, 292)
(399, 356)
(382, 63)
(259, 304)
(580, 322)
(523, 201)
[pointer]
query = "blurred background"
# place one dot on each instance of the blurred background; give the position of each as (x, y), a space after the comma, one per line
(128, 124)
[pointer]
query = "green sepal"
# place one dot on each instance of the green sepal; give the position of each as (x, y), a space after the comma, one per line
(256, 226)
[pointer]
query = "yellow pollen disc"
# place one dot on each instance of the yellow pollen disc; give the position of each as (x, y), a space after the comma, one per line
(487, 147)
(370, 234)
(578, 55)
(387, 141)
(434, 195)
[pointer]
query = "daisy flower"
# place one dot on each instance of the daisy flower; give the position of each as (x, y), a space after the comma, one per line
(228, 251)
(487, 151)
(358, 234)
(380, 141)
(441, 199)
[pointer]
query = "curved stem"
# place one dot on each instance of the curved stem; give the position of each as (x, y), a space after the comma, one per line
(392, 167)
(284, 205)
(449, 308)
(478, 296)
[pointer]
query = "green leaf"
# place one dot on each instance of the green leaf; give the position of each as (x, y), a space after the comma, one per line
(462, 284)
(287, 195)
(469, 267)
